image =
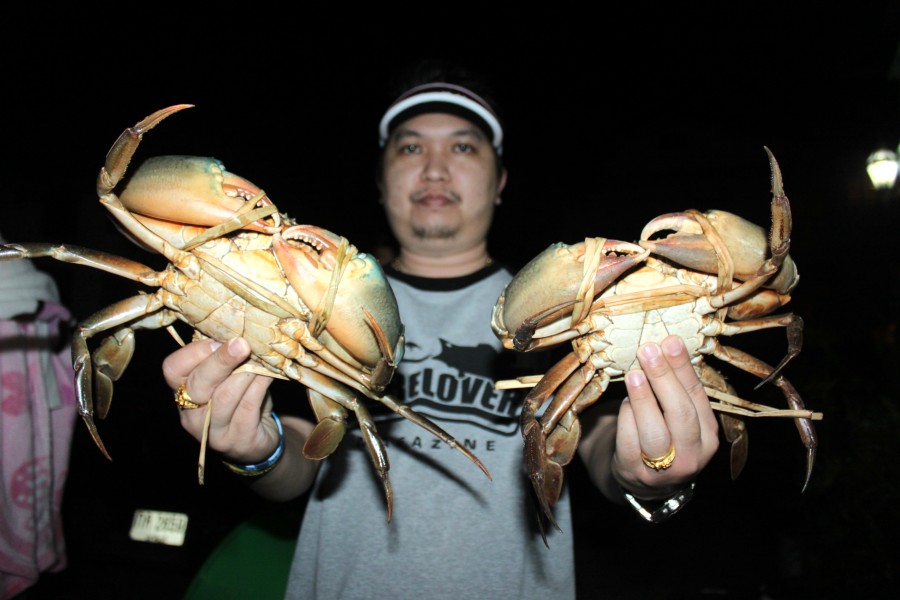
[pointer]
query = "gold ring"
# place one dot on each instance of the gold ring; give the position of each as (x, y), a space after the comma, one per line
(660, 463)
(183, 399)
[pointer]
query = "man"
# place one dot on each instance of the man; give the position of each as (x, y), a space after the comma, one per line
(454, 533)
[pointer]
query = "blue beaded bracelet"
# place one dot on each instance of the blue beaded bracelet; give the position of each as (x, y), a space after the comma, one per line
(261, 468)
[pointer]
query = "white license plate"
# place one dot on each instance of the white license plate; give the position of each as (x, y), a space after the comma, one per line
(159, 527)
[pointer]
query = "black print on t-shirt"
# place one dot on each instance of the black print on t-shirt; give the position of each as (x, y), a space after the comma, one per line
(457, 385)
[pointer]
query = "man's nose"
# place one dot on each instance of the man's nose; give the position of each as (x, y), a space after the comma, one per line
(436, 168)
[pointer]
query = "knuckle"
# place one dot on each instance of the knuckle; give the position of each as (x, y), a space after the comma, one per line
(694, 388)
(169, 370)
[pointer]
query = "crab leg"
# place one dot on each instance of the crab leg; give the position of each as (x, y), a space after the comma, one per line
(733, 428)
(86, 257)
(122, 312)
(792, 323)
(331, 425)
(113, 358)
(562, 381)
(755, 366)
(384, 370)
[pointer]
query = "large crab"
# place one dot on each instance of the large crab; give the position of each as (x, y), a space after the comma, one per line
(715, 274)
(313, 308)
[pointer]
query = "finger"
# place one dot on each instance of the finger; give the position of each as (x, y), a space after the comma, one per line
(650, 414)
(239, 402)
(676, 355)
(673, 387)
(178, 365)
(628, 443)
(237, 410)
(211, 373)
(237, 398)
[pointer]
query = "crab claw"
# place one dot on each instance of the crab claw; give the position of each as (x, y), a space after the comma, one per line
(693, 245)
(690, 247)
(178, 189)
(119, 156)
(354, 307)
(169, 194)
(193, 190)
(540, 300)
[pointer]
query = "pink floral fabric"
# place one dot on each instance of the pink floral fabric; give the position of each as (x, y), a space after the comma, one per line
(37, 414)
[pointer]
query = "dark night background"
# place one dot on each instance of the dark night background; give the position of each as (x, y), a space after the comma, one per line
(612, 119)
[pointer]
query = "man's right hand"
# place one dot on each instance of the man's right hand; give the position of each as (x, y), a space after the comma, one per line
(241, 426)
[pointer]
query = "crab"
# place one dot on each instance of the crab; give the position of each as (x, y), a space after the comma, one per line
(698, 275)
(312, 307)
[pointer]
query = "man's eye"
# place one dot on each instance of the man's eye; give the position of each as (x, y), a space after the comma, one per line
(464, 147)
(410, 149)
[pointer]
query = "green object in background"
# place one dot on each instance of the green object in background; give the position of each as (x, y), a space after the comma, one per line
(252, 561)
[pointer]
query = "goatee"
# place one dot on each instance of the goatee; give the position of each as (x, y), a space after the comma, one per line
(437, 232)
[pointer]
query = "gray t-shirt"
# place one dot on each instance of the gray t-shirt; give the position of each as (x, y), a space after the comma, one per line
(454, 533)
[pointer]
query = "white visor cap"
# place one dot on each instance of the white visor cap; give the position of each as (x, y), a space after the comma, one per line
(415, 100)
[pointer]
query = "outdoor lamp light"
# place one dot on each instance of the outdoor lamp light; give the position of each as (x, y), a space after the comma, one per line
(882, 168)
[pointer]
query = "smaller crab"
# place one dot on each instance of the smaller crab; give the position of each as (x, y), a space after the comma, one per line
(715, 275)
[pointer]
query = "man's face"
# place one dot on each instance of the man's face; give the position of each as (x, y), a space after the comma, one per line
(440, 184)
